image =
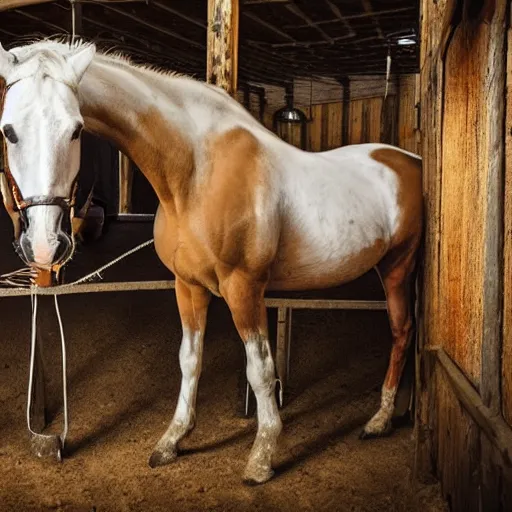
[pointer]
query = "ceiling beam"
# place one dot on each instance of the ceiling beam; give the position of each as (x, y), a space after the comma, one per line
(13, 4)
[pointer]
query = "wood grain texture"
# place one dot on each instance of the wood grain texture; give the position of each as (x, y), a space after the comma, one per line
(456, 442)
(407, 138)
(315, 129)
(333, 119)
(389, 120)
(494, 94)
(16, 4)
(431, 98)
(365, 120)
(506, 370)
(125, 184)
(464, 195)
(459, 433)
(355, 135)
(222, 44)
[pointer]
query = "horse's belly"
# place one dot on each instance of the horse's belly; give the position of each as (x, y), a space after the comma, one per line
(305, 267)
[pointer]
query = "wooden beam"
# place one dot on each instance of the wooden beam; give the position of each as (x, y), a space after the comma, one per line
(153, 26)
(125, 184)
(353, 17)
(345, 115)
(494, 221)
(13, 4)
(222, 44)
(269, 26)
(493, 425)
(298, 12)
(179, 14)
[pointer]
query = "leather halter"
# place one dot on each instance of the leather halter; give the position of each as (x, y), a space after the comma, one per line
(21, 204)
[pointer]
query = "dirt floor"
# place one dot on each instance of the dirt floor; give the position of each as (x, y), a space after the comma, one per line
(123, 383)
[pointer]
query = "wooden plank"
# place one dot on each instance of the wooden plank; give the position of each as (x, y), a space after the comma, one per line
(374, 119)
(268, 119)
(506, 373)
(16, 4)
(493, 426)
(465, 175)
(345, 122)
(389, 120)
(490, 388)
(368, 305)
(222, 44)
(125, 184)
(431, 95)
(494, 94)
(456, 443)
(334, 125)
(406, 113)
(315, 129)
(356, 121)
(283, 347)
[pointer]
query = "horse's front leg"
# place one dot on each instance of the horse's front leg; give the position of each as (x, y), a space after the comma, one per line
(193, 307)
(244, 296)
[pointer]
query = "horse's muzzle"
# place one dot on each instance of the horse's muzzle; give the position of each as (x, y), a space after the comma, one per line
(44, 255)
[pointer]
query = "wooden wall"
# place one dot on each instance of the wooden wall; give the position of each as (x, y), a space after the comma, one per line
(370, 118)
(465, 377)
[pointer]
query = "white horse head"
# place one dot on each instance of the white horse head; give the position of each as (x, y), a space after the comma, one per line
(41, 124)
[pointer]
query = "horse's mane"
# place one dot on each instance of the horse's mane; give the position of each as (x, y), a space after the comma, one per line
(62, 45)
(55, 48)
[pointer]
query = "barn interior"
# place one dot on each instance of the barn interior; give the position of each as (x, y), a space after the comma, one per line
(349, 71)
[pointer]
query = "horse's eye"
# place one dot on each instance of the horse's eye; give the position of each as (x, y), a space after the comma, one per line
(10, 134)
(77, 132)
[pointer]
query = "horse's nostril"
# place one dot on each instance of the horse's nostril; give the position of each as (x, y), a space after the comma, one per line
(63, 247)
(23, 248)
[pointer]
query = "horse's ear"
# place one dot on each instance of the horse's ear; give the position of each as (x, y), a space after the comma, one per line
(7, 61)
(81, 59)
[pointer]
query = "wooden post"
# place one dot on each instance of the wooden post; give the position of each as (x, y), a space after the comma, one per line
(261, 96)
(345, 115)
(247, 97)
(125, 184)
(284, 327)
(222, 44)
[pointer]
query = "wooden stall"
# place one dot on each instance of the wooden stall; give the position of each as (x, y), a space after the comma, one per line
(354, 107)
(464, 406)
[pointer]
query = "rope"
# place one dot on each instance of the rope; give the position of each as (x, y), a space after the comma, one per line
(64, 372)
(388, 70)
(24, 277)
(19, 278)
(90, 276)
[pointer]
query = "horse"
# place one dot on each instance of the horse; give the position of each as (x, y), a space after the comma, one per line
(240, 211)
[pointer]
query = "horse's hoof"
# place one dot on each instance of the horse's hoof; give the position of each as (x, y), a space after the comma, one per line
(364, 436)
(162, 458)
(372, 434)
(254, 477)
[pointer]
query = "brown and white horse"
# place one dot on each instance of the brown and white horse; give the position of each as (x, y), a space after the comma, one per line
(240, 210)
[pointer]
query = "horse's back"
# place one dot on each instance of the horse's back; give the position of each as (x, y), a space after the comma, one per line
(342, 211)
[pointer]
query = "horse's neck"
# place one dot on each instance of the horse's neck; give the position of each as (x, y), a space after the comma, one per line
(148, 125)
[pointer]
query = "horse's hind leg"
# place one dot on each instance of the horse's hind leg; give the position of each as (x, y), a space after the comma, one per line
(245, 299)
(193, 307)
(397, 282)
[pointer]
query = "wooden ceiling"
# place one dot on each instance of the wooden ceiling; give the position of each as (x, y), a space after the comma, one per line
(279, 39)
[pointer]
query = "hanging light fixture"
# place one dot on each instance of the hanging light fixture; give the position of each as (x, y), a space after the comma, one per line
(288, 118)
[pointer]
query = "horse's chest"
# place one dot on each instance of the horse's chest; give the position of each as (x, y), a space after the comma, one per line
(181, 252)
